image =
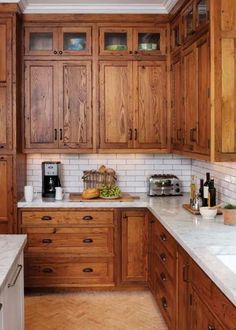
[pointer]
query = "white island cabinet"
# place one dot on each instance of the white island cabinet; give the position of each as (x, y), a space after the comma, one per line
(12, 282)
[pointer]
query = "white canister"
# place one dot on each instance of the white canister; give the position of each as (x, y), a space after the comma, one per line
(29, 193)
(59, 193)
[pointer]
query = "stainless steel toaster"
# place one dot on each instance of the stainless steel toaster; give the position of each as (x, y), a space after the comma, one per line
(163, 185)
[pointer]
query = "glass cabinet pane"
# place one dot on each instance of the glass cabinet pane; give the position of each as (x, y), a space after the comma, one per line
(149, 41)
(202, 11)
(41, 41)
(176, 36)
(74, 41)
(189, 22)
(115, 41)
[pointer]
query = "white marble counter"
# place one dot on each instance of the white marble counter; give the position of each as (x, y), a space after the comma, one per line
(210, 243)
(11, 247)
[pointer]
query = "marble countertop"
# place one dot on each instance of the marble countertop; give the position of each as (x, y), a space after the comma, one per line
(210, 243)
(11, 247)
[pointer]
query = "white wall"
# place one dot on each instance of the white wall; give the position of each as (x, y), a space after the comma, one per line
(224, 175)
(132, 169)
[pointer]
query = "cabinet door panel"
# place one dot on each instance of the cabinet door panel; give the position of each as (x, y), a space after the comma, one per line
(150, 109)
(116, 105)
(190, 95)
(3, 51)
(203, 87)
(134, 232)
(41, 41)
(5, 193)
(177, 109)
(41, 105)
(76, 105)
(5, 119)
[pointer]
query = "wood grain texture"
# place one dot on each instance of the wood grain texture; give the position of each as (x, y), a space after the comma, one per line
(93, 310)
(75, 95)
(115, 104)
(41, 115)
(3, 116)
(6, 205)
(150, 105)
(3, 52)
(134, 249)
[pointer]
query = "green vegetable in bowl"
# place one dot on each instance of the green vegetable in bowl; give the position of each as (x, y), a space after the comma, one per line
(110, 191)
(230, 207)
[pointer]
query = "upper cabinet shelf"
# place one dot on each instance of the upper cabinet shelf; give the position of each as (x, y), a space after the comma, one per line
(58, 41)
(129, 41)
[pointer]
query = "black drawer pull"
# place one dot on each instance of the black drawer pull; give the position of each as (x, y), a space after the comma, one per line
(163, 237)
(47, 241)
(88, 270)
(47, 270)
(211, 327)
(163, 257)
(164, 302)
(87, 217)
(46, 218)
(88, 240)
(163, 277)
(1, 147)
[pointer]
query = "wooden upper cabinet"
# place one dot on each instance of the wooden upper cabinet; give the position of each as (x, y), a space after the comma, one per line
(5, 193)
(203, 110)
(116, 104)
(75, 96)
(149, 41)
(6, 133)
(5, 49)
(134, 246)
(132, 41)
(202, 13)
(58, 41)
(189, 96)
(176, 35)
(177, 104)
(115, 41)
(189, 20)
(41, 105)
(150, 129)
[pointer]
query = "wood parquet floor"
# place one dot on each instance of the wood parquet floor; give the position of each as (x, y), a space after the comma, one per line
(93, 311)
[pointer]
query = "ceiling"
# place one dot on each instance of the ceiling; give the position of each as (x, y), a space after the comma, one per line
(95, 6)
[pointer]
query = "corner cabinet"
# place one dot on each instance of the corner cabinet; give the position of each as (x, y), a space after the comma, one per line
(133, 105)
(134, 247)
(58, 105)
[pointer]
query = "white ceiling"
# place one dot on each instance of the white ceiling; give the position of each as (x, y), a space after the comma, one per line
(95, 6)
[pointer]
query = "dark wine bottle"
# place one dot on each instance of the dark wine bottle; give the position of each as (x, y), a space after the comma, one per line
(206, 190)
(201, 188)
(212, 194)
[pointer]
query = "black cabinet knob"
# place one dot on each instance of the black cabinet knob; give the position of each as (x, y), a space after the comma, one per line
(47, 241)
(163, 257)
(163, 237)
(55, 52)
(46, 218)
(60, 52)
(88, 240)
(88, 270)
(87, 217)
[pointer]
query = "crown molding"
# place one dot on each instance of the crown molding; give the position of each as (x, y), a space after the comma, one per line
(83, 8)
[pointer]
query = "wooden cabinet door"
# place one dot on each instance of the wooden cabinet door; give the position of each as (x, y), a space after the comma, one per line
(75, 94)
(190, 96)
(149, 41)
(41, 105)
(201, 317)
(116, 105)
(5, 85)
(41, 41)
(115, 41)
(134, 247)
(177, 132)
(6, 205)
(202, 137)
(75, 41)
(183, 289)
(150, 109)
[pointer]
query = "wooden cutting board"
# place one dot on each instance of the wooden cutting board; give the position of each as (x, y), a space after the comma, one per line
(188, 208)
(126, 197)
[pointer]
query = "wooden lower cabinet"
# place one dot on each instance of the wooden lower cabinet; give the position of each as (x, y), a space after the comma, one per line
(134, 247)
(6, 193)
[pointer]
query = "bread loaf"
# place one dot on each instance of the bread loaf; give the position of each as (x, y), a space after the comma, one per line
(90, 193)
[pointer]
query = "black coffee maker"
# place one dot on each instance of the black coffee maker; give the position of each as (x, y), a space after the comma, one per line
(50, 178)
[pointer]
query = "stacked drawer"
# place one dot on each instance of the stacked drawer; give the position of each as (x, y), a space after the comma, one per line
(68, 248)
(165, 273)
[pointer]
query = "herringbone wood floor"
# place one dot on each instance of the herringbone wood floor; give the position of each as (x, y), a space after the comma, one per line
(93, 311)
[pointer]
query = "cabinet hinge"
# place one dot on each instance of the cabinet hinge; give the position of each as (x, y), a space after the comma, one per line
(190, 299)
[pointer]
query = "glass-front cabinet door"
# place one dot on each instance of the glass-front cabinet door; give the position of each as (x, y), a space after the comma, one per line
(176, 37)
(41, 41)
(189, 21)
(115, 41)
(149, 41)
(202, 12)
(75, 41)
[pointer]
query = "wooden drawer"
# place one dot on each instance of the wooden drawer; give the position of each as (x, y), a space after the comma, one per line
(165, 258)
(70, 240)
(166, 239)
(73, 271)
(54, 218)
(164, 279)
(219, 305)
